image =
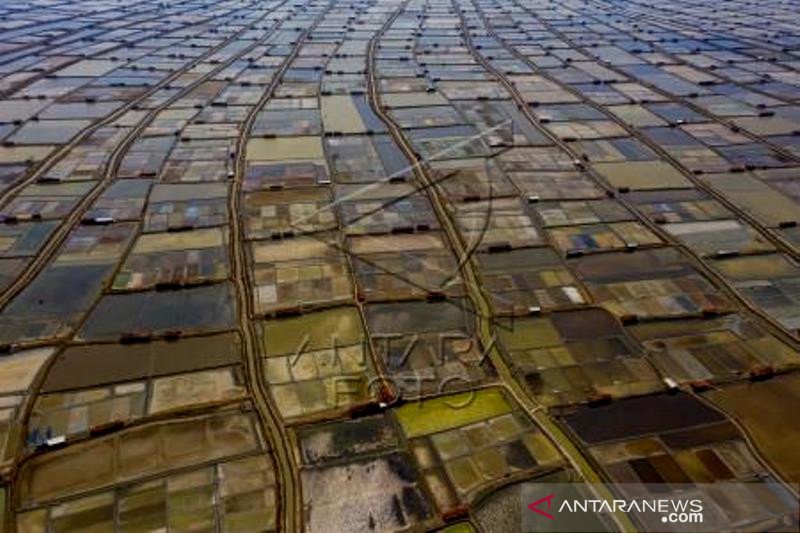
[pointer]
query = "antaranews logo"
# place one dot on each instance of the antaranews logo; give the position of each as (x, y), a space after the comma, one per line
(672, 510)
(658, 508)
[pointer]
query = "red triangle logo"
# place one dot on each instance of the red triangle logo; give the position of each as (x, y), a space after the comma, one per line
(535, 506)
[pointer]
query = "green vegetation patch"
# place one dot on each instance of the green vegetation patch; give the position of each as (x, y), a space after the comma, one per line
(447, 412)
